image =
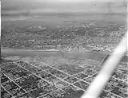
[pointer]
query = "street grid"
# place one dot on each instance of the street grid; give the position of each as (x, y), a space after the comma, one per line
(23, 79)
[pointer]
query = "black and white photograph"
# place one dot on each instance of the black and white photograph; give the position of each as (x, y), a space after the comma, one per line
(64, 48)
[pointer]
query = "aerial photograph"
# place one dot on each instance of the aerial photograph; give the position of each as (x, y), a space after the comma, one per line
(59, 48)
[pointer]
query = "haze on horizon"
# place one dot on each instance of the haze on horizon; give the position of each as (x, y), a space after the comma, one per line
(62, 6)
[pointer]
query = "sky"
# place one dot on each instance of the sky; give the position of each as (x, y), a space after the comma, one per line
(63, 6)
(76, 1)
